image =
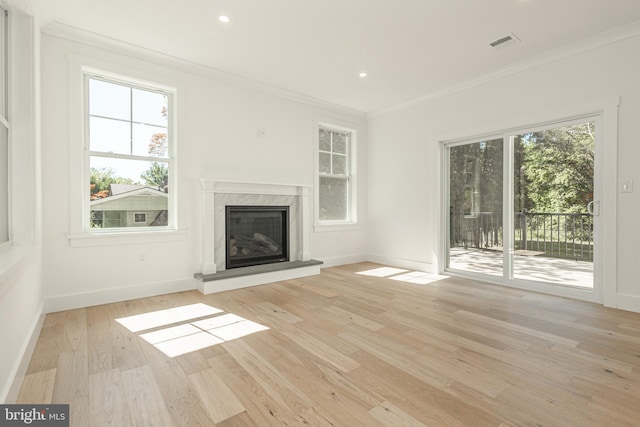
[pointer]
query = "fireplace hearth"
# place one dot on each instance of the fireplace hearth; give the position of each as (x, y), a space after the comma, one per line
(216, 196)
(256, 235)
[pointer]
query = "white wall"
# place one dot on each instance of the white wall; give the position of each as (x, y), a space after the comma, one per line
(21, 300)
(404, 151)
(217, 139)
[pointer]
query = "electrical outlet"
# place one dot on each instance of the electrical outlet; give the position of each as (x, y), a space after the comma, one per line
(261, 133)
(142, 258)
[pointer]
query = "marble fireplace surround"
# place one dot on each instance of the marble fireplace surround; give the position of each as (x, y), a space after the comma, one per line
(218, 194)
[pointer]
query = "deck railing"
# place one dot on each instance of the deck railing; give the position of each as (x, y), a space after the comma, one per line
(561, 235)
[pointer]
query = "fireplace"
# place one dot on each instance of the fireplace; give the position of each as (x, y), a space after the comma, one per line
(256, 235)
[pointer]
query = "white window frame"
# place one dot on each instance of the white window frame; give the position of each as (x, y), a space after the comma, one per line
(80, 235)
(169, 161)
(6, 125)
(606, 111)
(351, 177)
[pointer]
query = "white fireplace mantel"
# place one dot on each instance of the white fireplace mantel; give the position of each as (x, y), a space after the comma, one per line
(211, 187)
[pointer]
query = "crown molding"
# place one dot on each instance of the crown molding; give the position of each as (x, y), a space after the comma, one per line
(22, 6)
(120, 47)
(562, 52)
(74, 34)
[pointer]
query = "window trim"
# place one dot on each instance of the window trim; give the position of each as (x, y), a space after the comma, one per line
(5, 121)
(351, 176)
(89, 73)
(607, 111)
(77, 235)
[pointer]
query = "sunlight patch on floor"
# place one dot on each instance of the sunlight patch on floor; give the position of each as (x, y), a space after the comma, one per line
(193, 336)
(398, 274)
(237, 330)
(218, 321)
(187, 344)
(418, 277)
(382, 272)
(154, 319)
(170, 333)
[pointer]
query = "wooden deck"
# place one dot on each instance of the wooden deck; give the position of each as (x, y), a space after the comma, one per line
(345, 349)
(528, 265)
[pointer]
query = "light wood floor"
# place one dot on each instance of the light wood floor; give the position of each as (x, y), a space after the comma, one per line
(351, 350)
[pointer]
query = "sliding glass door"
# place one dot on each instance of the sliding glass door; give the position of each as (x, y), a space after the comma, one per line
(521, 207)
(475, 207)
(553, 177)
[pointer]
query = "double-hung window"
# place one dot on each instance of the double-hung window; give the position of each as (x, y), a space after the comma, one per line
(4, 128)
(335, 178)
(130, 146)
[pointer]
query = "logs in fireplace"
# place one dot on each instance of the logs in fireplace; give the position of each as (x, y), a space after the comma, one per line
(256, 235)
(258, 243)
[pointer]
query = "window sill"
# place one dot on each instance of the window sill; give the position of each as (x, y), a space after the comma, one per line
(126, 238)
(336, 226)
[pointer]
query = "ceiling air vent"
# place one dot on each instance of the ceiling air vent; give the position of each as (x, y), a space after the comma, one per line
(505, 41)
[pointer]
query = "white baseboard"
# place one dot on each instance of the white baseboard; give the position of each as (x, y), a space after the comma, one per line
(343, 260)
(106, 296)
(22, 362)
(628, 302)
(403, 263)
(232, 283)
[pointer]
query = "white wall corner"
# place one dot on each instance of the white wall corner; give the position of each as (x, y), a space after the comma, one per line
(10, 393)
(628, 302)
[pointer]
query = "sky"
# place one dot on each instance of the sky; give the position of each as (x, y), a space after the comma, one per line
(122, 121)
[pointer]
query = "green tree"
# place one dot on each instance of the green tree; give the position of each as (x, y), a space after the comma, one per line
(157, 176)
(476, 177)
(556, 169)
(102, 178)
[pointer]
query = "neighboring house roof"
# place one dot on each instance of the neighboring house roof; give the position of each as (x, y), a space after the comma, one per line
(123, 193)
(115, 189)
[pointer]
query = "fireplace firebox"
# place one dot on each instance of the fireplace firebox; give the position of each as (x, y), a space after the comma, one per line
(256, 235)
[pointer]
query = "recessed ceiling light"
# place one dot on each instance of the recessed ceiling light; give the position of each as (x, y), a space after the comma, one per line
(363, 75)
(224, 18)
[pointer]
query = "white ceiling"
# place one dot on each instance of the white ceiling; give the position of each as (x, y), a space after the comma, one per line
(409, 48)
